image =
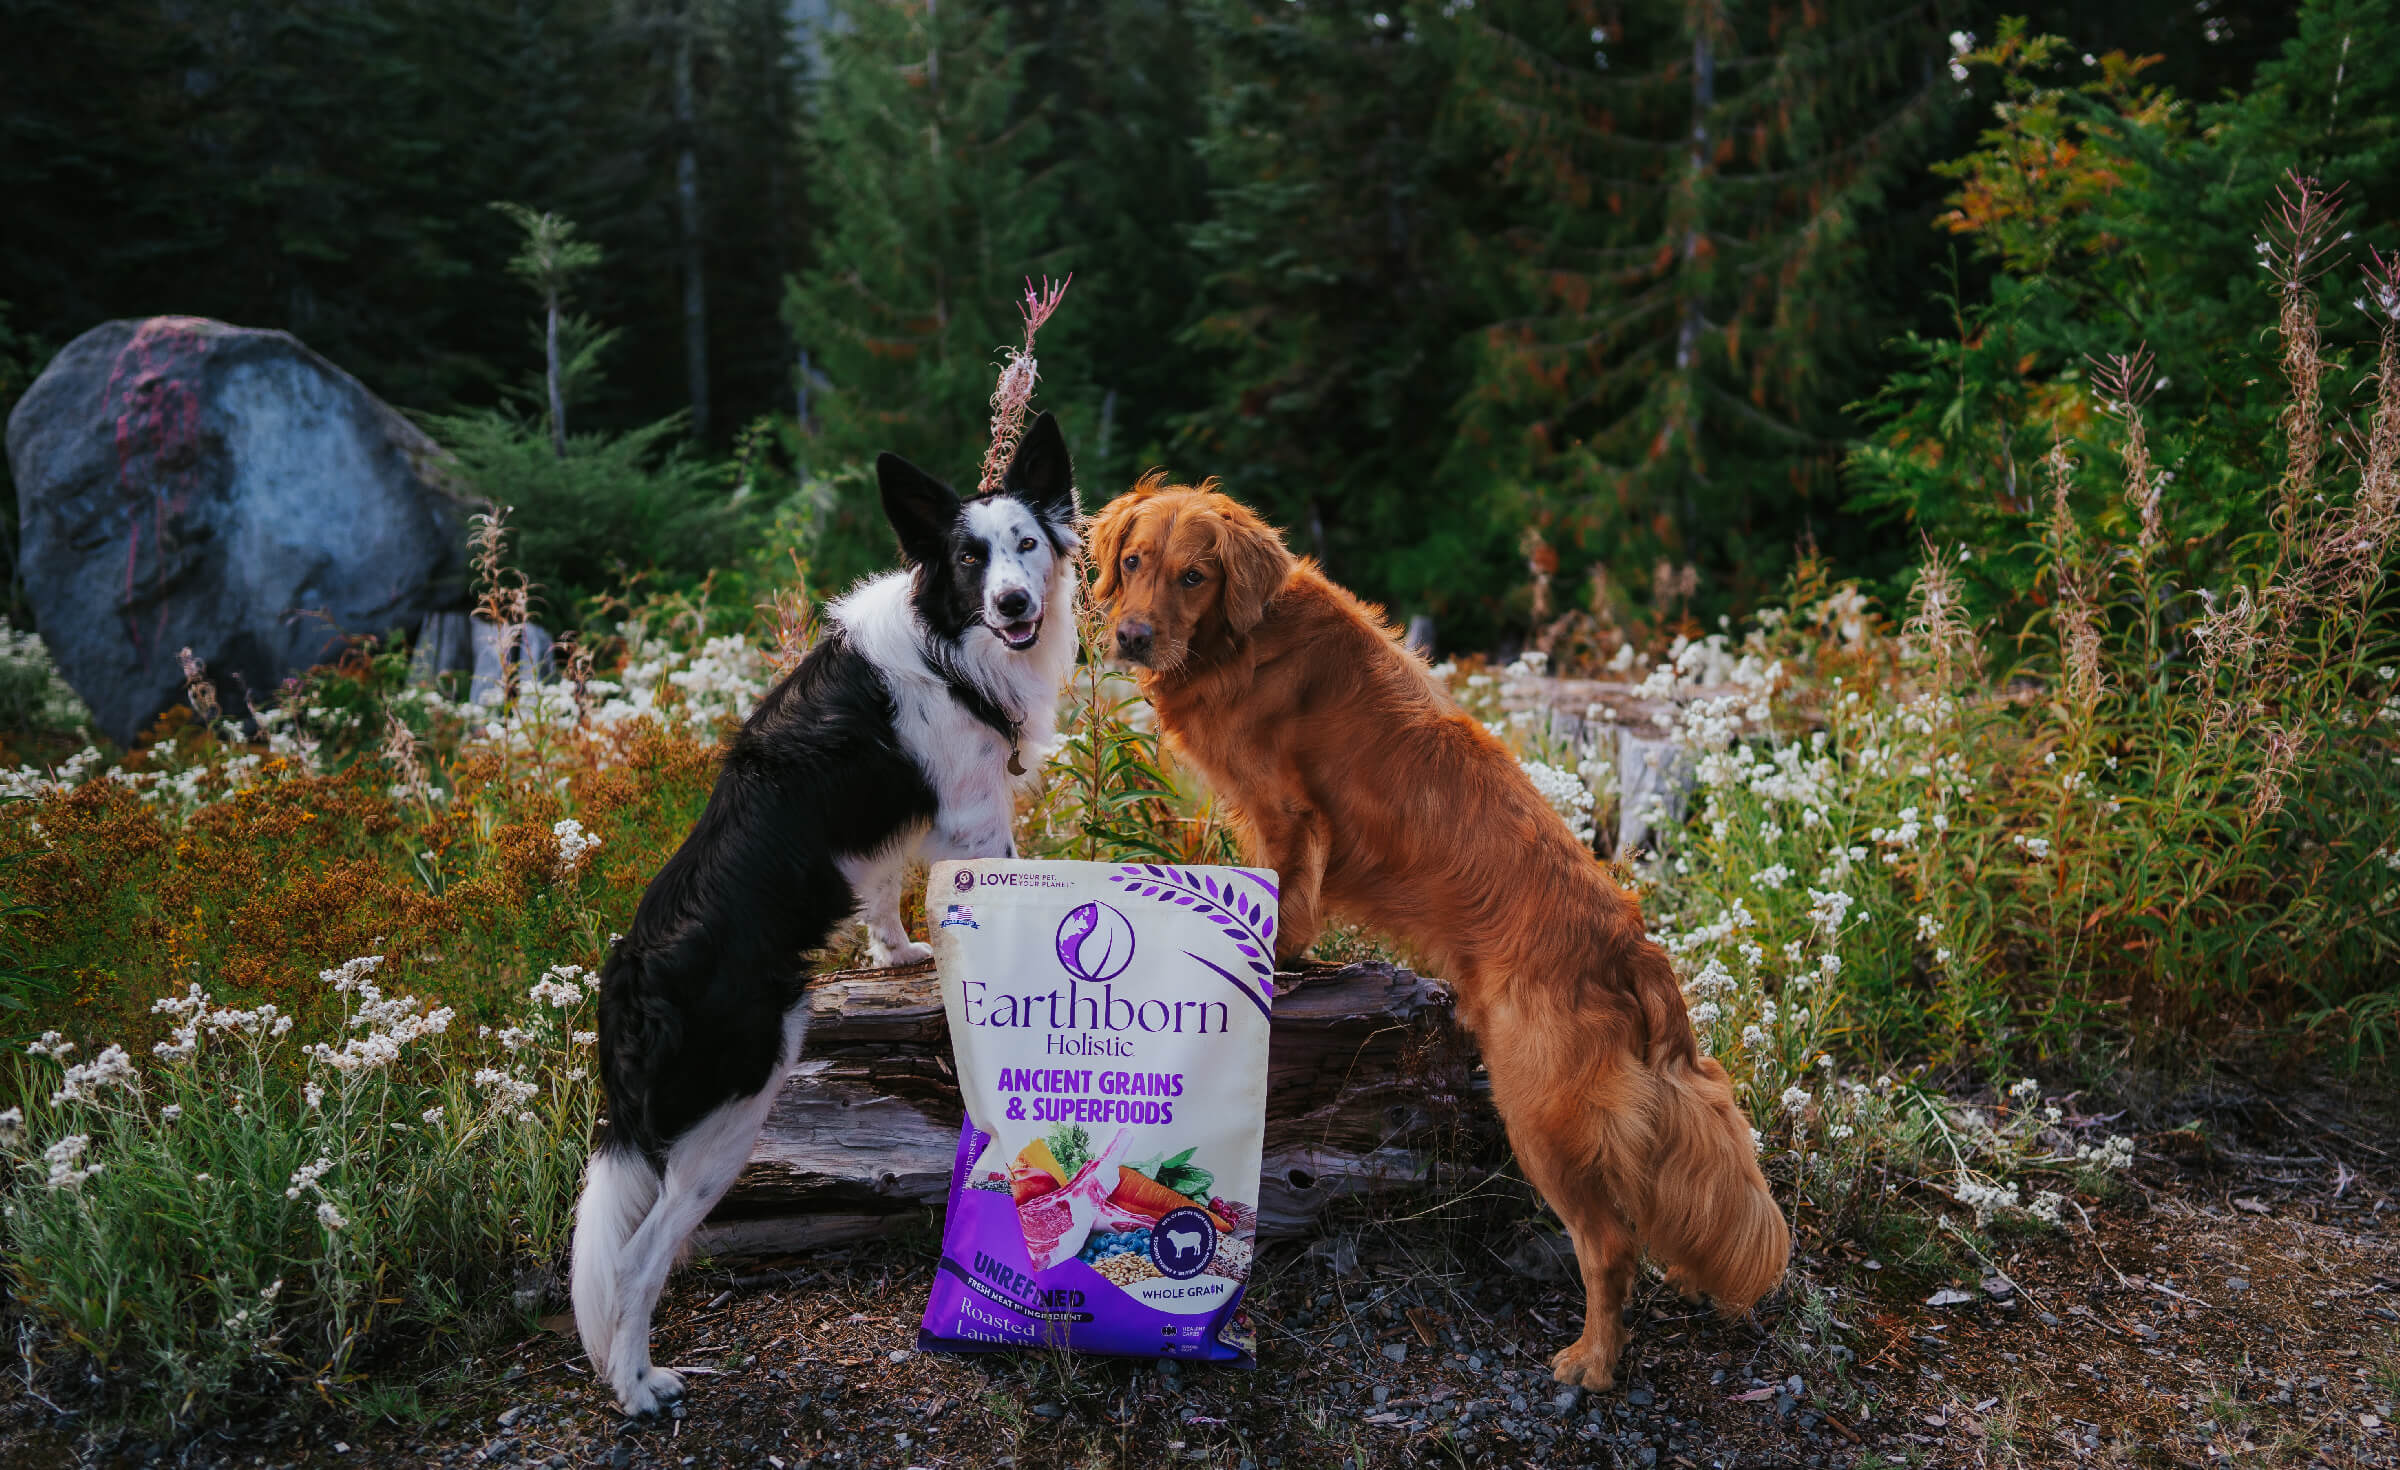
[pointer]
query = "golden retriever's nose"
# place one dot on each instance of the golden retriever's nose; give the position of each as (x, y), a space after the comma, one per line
(1133, 640)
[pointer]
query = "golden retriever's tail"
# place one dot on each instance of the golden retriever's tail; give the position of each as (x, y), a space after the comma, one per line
(1709, 1219)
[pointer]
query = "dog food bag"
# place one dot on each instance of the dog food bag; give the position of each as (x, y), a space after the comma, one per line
(1110, 1026)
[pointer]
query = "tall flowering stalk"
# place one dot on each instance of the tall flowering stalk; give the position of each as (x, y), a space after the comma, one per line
(1014, 391)
(2304, 240)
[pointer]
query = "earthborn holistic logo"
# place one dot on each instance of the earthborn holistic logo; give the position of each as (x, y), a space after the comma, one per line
(960, 916)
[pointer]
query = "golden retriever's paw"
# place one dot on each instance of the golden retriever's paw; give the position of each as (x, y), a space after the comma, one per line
(1587, 1364)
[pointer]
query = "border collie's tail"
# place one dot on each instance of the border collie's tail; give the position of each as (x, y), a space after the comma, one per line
(1710, 1218)
(619, 1187)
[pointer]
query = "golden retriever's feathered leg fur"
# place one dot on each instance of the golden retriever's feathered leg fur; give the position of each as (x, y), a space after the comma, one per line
(1373, 796)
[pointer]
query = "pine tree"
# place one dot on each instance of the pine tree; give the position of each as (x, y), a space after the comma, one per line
(930, 216)
(1332, 314)
(1112, 77)
(1686, 304)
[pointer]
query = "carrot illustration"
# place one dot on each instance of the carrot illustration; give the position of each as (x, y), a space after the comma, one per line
(1139, 1194)
(1034, 1172)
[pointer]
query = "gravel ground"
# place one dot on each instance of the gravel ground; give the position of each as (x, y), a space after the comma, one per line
(2238, 1302)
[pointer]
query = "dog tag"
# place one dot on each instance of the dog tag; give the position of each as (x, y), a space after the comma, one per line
(1016, 767)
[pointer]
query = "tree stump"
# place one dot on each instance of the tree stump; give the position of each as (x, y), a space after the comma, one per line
(1368, 1090)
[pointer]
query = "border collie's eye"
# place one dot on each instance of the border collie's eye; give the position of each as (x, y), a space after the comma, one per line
(1193, 578)
(969, 559)
(1132, 562)
(1026, 545)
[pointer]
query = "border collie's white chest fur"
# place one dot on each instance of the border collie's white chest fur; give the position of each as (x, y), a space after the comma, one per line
(965, 760)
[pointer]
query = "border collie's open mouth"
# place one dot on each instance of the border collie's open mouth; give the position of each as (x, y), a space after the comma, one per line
(1020, 634)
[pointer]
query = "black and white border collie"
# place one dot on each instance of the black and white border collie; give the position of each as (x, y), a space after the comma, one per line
(900, 735)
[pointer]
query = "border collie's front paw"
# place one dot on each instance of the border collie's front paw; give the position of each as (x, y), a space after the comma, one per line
(654, 1390)
(909, 952)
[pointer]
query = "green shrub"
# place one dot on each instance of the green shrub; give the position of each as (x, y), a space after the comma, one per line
(613, 507)
(246, 1209)
(36, 704)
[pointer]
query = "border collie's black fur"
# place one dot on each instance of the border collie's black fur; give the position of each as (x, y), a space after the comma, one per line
(895, 737)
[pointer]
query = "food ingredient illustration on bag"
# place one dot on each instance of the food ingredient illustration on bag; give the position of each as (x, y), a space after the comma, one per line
(1110, 1025)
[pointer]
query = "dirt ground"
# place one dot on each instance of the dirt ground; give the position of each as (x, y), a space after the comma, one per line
(2236, 1302)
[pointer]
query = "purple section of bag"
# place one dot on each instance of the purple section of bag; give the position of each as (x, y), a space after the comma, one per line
(988, 1296)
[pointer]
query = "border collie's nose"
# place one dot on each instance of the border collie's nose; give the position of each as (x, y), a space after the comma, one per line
(1133, 640)
(1012, 603)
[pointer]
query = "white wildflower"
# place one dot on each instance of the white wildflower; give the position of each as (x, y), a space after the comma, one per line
(62, 1156)
(574, 844)
(306, 1176)
(351, 972)
(1796, 1100)
(584, 1038)
(328, 1216)
(50, 1046)
(1986, 1200)
(12, 1127)
(508, 1089)
(1826, 910)
(313, 1095)
(170, 1113)
(1565, 794)
(432, 1116)
(2115, 1152)
(83, 1083)
(2046, 1205)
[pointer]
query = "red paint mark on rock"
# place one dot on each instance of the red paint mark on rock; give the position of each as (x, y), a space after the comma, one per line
(158, 444)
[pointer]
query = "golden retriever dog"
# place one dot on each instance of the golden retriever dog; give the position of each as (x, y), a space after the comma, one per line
(1357, 779)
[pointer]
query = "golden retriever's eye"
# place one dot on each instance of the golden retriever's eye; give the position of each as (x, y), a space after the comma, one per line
(1132, 562)
(1193, 578)
(1026, 544)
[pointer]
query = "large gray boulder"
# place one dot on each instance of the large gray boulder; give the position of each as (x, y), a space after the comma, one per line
(184, 483)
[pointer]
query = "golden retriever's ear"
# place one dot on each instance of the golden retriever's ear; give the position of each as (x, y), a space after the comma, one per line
(1106, 538)
(1254, 564)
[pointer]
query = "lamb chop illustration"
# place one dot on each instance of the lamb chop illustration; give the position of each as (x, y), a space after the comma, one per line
(1058, 1223)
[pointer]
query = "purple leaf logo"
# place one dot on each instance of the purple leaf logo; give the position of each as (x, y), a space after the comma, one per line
(1095, 943)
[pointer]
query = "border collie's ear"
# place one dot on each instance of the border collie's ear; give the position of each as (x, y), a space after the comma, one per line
(1040, 473)
(920, 507)
(1254, 563)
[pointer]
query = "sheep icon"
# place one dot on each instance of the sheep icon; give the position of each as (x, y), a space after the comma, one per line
(1183, 1242)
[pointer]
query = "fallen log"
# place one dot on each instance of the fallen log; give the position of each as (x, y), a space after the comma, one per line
(1368, 1082)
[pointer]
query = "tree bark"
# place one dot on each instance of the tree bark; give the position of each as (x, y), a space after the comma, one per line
(687, 202)
(558, 394)
(1368, 1091)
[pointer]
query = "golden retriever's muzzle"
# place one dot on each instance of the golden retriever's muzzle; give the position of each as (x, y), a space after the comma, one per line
(1135, 639)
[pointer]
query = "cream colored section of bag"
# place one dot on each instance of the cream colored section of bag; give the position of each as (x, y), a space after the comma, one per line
(1110, 1025)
